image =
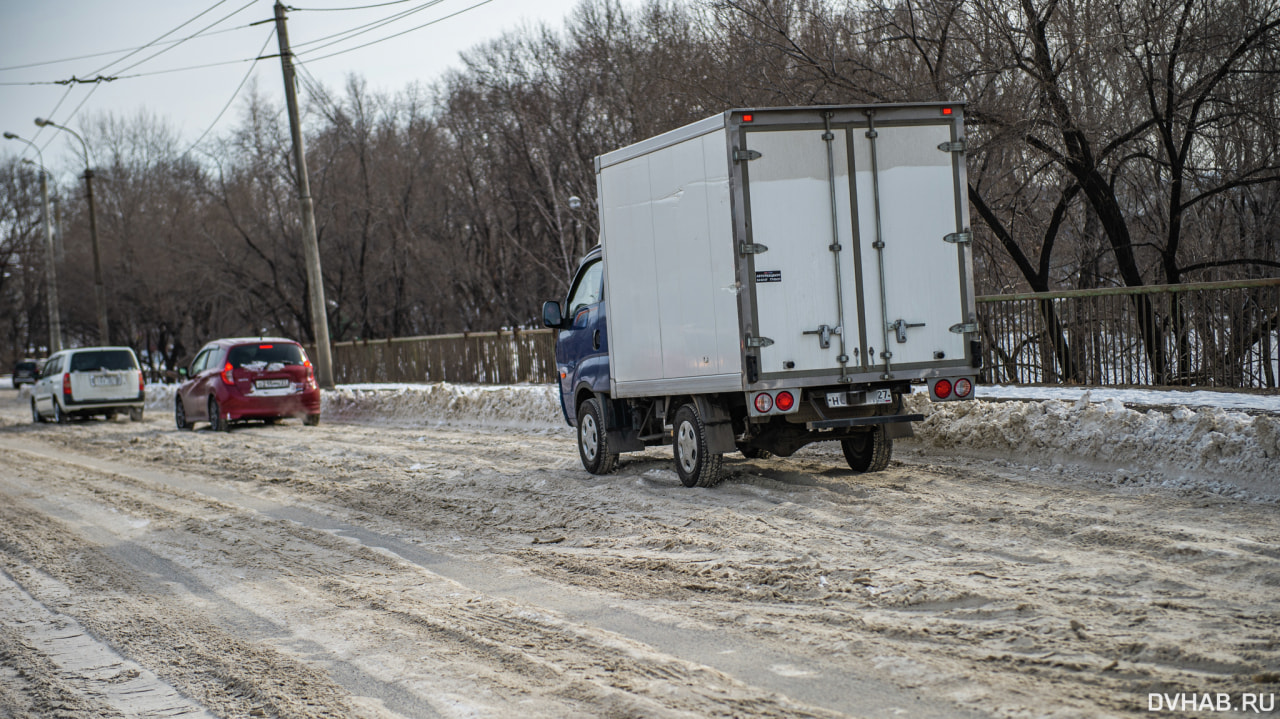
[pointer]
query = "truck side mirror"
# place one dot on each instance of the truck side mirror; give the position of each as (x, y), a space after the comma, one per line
(551, 316)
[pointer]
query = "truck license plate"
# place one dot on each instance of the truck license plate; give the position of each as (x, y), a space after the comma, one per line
(837, 399)
(880, 396)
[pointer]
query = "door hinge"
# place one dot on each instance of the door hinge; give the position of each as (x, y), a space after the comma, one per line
(759, 342)
(900, 326)
(957, 146)
(962, 237)
(746, 155)
(751, 248)
(964, 327)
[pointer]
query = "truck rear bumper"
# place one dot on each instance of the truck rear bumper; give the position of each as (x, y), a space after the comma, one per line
(858, 421)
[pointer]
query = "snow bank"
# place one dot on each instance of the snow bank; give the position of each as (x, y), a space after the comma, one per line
(525, 406)
(1179, 442)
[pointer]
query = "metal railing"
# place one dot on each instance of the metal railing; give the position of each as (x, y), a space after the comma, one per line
(475, 357)
(1213, 334)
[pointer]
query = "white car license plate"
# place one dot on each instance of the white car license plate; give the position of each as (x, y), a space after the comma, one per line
(271, 383)
(837, 399)
(106, 381)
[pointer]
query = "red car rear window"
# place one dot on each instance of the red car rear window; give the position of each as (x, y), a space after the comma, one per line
(265, 354)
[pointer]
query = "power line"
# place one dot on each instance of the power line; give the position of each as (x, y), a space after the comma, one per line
(403, 32)
(126, 49)
(361, 7)
(233, 94)
(202, 13)
(242, 8)
(367, 27)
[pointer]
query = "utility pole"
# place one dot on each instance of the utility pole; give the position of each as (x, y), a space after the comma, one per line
(310, 246)
(104, 337)
(50, 270)
(50, 273)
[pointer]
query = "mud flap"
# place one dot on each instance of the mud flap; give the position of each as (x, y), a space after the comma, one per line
(719, 426)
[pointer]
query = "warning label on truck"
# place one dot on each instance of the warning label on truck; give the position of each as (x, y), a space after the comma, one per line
(768, 276)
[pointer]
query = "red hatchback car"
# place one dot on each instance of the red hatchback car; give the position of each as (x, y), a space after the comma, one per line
(255, 378)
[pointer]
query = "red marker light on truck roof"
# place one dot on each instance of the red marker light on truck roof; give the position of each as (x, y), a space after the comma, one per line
(946, 111)
(748, 118)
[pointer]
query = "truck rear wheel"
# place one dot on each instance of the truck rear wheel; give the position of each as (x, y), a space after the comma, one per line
(593, 439)
(868, 451)
(696, 466)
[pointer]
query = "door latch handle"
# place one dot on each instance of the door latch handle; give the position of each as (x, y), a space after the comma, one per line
(824, 335)
(900, 326)
(595, 340)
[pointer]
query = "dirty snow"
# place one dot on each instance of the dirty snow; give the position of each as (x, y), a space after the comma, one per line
(1170, 442)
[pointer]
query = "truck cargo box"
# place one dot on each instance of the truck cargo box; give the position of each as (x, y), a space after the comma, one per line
(788, 247)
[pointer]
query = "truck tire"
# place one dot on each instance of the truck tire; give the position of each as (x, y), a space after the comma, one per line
(868, 451)
(696, 466)
(593, 440)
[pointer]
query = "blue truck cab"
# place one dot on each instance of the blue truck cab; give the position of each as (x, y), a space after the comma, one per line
(582, 348)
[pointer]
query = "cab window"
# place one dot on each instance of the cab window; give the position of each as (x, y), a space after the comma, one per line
(589, 290)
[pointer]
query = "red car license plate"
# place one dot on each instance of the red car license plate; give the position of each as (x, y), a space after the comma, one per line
(271, 383)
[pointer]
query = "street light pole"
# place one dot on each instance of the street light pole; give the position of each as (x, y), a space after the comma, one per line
(50, 271)
(104, 337)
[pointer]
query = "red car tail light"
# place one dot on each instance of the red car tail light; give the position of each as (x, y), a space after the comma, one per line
(942, 388)
(785, 401)
(963, 387)
(764, 402)
(66, 384)
(311, 373)
(227, 379)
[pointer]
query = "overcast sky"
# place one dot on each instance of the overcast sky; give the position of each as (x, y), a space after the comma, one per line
(38, 31)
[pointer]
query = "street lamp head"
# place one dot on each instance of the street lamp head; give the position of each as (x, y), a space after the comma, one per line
(575, 202)
(28, 161)
(10, 136)
(41, 122)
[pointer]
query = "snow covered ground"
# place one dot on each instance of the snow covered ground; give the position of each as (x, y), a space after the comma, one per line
(1140, 438)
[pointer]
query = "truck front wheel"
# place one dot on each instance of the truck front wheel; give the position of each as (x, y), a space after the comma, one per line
(868, 451)
(593, 440)
(696, 466)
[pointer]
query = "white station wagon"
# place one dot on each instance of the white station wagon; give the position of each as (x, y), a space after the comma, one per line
(89, 381)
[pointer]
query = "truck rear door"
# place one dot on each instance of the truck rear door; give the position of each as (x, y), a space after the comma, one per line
(831, 211)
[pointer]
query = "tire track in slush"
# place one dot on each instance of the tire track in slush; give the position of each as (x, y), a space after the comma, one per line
(632, 665)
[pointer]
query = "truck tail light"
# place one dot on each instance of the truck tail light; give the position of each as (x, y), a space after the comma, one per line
(227, 379)
(66, 384)
(963, 387)
(785, 401)
(764, 402)
(942, 388)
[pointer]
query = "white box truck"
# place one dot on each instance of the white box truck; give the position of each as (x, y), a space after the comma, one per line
(768, 278)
